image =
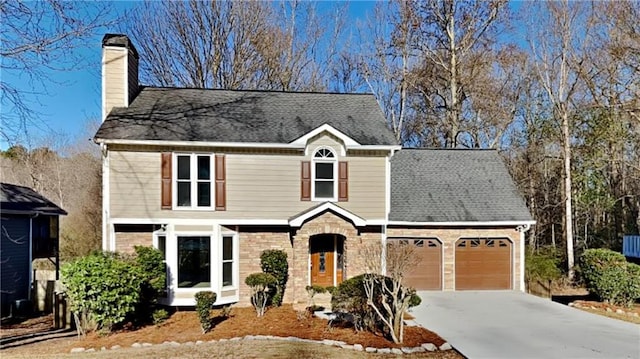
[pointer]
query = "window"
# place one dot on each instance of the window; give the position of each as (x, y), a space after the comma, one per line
(324, 174)
(194, 262)
(193, 181)
(227, 261)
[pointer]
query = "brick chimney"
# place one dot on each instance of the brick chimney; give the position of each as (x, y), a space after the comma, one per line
(119, 72)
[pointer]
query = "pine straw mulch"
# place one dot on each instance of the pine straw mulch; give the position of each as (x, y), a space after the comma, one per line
(183, 326)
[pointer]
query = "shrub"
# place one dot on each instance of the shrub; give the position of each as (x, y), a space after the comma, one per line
(105, 286)
(274, 262)
(204, 303)
(149, 262)
(260, 284)
(632, 289)
(415, 300)
(543, 265)
(350, 297)
(159, 315)
(331, 289)
(608, 275)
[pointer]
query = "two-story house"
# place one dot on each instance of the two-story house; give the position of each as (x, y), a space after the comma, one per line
(214, 177)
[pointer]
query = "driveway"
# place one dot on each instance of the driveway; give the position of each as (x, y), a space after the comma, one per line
(508, 324)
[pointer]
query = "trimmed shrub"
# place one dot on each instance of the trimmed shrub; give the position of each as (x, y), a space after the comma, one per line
(104, 286)
(331, 289)
(350, 297)
(149, 263)
(415, 300)
(632, 289)
(274, 262)
(608, 275)
(260, 284)
(204, 303)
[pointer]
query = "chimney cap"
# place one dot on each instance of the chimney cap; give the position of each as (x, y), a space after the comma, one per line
(119, 40)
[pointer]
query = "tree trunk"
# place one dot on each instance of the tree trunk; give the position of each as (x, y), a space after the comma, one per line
(568, 195)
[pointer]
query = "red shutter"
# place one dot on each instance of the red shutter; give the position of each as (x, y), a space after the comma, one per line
(166, 181)
(221, 177)
(343, 181)
(305, 181)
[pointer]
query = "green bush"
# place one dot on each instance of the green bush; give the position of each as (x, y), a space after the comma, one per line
(331, 289)
(204, 303)
(150, 265)
(159, 315)
(350, 297)
(274, 262)
(608, 275)
(632, 292)
(415, 300)
(260, 284)
(542, 265)
(105, 286)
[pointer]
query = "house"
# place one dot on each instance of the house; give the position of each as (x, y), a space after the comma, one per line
(214, 177)
(29, 230)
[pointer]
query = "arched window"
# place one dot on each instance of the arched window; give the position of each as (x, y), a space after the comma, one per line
(324, 174)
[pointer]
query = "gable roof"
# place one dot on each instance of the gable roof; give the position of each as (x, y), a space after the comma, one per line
(437, 186)
(299, 219)
(178, 114)
(16, 199)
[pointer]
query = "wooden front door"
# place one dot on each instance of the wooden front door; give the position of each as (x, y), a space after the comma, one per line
(322, 256)
(325, 251)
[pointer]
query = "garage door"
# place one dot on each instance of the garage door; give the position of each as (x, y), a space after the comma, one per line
(483, 264)
(427, 274)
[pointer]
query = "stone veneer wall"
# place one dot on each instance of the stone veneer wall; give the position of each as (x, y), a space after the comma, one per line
(449, 236)
(253, 242)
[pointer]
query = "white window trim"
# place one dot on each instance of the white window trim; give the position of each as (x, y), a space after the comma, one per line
(235, 260)
(334, 162)
(193, 167)
(212, 279)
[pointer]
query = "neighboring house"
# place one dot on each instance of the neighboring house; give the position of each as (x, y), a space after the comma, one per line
(214, 177)
(29, 230)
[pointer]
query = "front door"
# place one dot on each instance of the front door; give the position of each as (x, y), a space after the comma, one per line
(325, 251)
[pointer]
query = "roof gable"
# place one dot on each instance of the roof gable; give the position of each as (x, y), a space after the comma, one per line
(299, 219)
(174, 114)
(453, 186)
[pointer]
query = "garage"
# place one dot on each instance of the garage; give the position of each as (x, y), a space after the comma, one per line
(427, 274)
(483, 264)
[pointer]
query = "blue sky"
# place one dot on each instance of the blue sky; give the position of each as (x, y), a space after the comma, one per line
(73, 98)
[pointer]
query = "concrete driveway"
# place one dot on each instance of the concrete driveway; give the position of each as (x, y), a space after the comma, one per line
(506, 324)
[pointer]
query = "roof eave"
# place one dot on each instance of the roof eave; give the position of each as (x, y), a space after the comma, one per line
(513, 223)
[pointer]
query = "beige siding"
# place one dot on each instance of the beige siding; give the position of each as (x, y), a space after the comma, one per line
(258, 185)
(113, 72)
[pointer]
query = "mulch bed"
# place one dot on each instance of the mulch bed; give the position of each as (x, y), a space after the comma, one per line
(183, 326)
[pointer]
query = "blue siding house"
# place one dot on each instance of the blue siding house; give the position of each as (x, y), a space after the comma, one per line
(28, 230)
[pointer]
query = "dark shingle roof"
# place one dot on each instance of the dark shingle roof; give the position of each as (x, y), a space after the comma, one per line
(244, 116)
(24, 200)
(453, 186)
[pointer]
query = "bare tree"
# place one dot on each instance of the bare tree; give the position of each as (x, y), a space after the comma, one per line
(231, 45)
(560, 34)
(38, 38)
(387, 61)
(387, 296)
(456, 41)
